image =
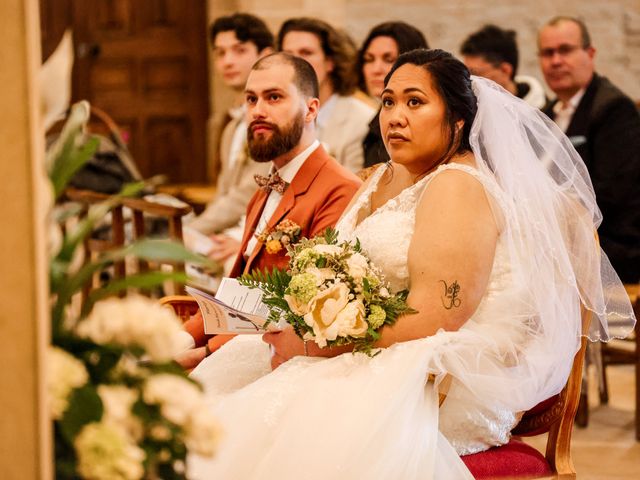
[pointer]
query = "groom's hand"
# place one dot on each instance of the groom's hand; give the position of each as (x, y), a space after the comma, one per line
(190, 359)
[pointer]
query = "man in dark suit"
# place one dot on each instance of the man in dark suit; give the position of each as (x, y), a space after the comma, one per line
(281, 96)
(604, 126)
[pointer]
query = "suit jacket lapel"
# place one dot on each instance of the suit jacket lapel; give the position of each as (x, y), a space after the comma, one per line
(581, 117)
(300, 184)
(253, 216)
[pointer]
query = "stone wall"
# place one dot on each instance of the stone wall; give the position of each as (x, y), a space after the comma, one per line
(614, 24)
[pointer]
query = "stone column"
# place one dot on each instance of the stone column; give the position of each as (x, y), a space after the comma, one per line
(25, 437)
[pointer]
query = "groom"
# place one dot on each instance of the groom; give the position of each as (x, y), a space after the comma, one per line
(306, 188)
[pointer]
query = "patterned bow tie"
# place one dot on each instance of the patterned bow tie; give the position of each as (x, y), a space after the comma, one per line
(272, 182)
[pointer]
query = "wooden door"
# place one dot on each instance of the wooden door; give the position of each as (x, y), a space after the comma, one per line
(145, 64)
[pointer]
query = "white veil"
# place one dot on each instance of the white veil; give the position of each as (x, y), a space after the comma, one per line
(554, 207)
(546, 205)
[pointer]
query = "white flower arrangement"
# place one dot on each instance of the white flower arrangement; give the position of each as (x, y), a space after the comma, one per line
(120, 405)
(106, 453)
(134, 321)
(331, 294)
(109, 360)
(64, 373)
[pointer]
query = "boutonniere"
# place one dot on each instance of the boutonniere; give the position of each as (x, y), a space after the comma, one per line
(284, 233)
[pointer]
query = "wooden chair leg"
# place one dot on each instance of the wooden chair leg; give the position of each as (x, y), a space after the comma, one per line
(596, 357)
(582, 415)
(637, 332)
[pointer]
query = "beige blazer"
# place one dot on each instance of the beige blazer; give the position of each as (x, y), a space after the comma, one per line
(345, 129)
(234, 188)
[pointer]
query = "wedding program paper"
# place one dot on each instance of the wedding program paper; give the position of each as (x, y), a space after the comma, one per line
(234, 309)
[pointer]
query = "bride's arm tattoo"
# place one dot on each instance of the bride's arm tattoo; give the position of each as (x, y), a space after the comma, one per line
(450, 298)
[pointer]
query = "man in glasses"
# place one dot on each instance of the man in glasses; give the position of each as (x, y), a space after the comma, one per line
(604, 126)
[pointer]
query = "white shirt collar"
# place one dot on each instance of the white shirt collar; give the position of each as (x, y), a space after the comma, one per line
(572, 103)
(289, 171)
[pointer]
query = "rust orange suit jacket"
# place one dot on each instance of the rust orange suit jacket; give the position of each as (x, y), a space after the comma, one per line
(314, 200)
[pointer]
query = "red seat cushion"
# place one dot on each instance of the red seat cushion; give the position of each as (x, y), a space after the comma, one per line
(514, 460)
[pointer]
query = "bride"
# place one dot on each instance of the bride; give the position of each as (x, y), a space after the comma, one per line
(487, 215)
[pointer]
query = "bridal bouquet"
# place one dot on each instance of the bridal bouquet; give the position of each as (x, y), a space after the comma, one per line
(331, 293)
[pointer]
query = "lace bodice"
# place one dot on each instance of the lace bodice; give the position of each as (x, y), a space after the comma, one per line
(385, 235)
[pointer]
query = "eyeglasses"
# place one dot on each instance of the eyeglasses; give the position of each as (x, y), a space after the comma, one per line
(563, 50)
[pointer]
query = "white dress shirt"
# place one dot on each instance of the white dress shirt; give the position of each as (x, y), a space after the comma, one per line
(287, 173)
(564, 110)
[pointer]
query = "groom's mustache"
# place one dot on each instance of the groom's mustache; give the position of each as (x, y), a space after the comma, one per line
(256, 124)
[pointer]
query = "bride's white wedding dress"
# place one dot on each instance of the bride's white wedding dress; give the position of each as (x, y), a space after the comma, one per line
(352, 416)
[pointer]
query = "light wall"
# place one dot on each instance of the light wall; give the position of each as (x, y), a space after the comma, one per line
(25, 440)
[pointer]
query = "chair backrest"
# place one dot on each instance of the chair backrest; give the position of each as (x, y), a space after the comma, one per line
(184, 306)
(556, 415)
(118, 235)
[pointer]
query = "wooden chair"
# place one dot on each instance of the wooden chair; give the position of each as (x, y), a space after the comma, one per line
(184, 306)
(117, 229)
(627, 351)
(554, 416)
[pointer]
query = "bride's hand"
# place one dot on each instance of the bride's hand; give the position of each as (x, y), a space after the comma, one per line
(285, 345)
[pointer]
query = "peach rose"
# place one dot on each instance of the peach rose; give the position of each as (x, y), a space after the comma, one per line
(351, 321)
(323, 311)
(296, 306)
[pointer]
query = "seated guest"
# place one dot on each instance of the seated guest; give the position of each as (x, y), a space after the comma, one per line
(604, 126)
(377, 55)
(309, 187)
(238, 41)
(343, 118)
(492, 52)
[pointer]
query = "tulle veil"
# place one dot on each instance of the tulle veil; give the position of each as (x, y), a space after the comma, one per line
(547, 208)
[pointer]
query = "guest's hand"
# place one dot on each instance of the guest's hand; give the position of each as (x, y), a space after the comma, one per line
(190, 359)
(224, 247)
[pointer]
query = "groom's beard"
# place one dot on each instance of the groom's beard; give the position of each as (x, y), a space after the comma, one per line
(278, 143)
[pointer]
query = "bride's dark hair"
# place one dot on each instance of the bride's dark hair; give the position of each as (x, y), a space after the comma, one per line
(452, 80)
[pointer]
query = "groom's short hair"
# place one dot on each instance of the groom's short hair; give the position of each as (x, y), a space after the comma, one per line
(304, 76)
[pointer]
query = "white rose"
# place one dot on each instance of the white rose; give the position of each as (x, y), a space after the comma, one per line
(106, 453)
(324, 249)
(117, 401)
(64, 373)
(357, 266)
(323, 310)
(351, 321)
(296, 306)
(321, 274)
